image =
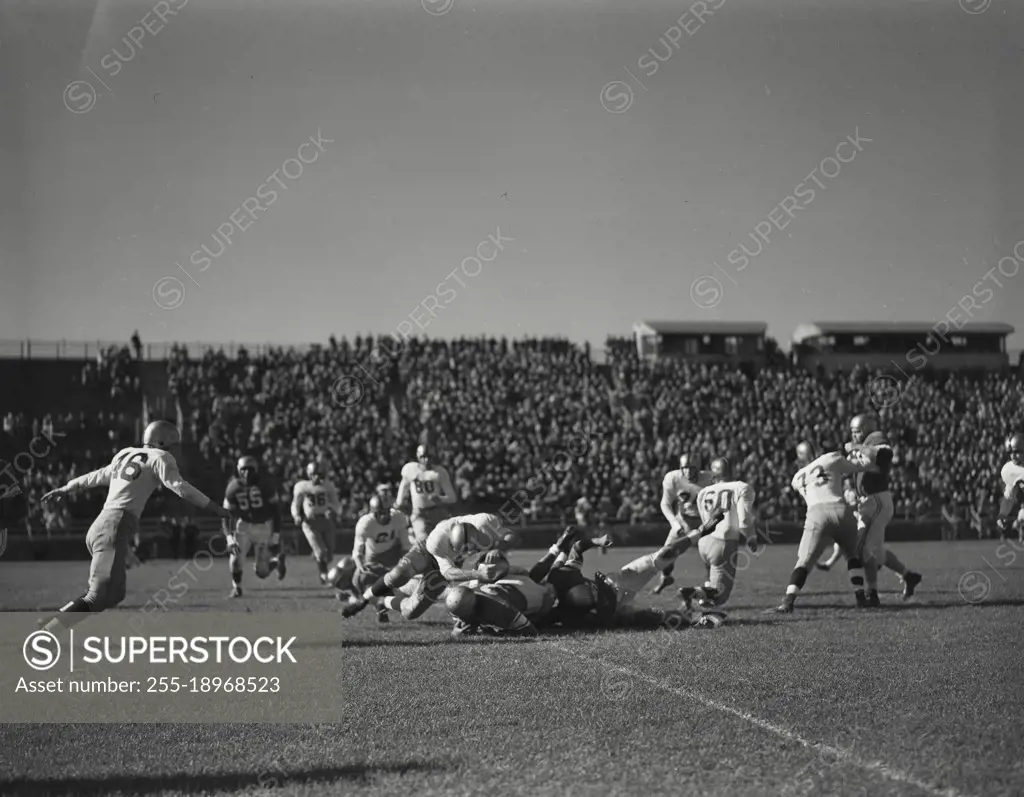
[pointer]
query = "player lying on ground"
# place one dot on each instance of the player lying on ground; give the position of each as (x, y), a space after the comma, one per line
(314, 508)
(875, 507)
(679, 491)
(377, 549)
(132, 477)
(429, 489)
(732, 503)
(439, 560)
(830, 519)
(255, 523)
(607, 600)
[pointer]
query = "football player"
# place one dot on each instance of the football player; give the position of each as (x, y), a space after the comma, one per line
(523, 602)
(606, 600)
(131, 478)
(829, 518)
(1012, 475)
(732, 502)
(679, 490)
(255, 523)
(377, 547)
(314, 508)
(439, 561)
(429, 488)
(875, 507)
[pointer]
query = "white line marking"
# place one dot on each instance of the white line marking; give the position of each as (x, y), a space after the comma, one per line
(876, 767)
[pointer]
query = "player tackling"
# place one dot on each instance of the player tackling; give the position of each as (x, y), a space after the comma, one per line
(131, 478)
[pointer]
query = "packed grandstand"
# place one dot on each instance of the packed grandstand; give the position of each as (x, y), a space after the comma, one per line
(498, 411)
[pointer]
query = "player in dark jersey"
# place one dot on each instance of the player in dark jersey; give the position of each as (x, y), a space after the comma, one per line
(255, 523)
(875, 506)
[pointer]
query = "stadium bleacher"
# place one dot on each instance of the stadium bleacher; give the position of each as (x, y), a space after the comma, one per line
(499, 410)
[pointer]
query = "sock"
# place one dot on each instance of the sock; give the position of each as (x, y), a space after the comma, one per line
(322, 566)
(894, 564)
(392, 602)
(856, 575)
(378, 589)
(668, 570)
(493, 612)
(71, 614)
(236, 576)
(796, 583)
(543, 566)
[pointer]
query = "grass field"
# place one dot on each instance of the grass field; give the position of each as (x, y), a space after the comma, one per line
(924, 698)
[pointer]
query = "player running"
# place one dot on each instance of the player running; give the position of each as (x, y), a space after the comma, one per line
(377, 549)
(255, 523)
(430, 490)
(875, 507)
(439, 561)
(829, 519)
(314, 507)
(732, 502)
(131, 477)
(679, 491)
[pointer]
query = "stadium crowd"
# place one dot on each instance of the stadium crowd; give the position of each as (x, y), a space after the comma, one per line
(501, 415)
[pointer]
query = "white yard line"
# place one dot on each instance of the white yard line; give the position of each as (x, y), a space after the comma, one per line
(876, 767)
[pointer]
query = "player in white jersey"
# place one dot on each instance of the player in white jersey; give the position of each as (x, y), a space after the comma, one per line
(439, 560)
(733, 499)
(829, 518)
(377, 547)
(1012, 475)
(314, 508)
(679, 491)
(429, 489)
(131, 478)
(850, 494)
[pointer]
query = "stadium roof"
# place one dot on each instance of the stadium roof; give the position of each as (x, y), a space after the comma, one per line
(813, 329)
(700, 328)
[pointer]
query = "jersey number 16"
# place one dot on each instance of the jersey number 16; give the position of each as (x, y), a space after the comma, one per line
(130, 468)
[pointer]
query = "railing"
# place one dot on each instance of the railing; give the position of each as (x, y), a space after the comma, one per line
(89, 350)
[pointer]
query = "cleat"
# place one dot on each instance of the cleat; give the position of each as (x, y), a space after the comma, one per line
(353, 607)
(862, 602)
(823, 566)
(666, 581)
(604, 541)
(873, 601)
(236, 591)
(382, 615)
(710, 620)
(786, 607)
(566, 539)
(281, 569)
(910, 584)
(344, 596)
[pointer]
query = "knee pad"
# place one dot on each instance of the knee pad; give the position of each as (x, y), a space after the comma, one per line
(461, 603)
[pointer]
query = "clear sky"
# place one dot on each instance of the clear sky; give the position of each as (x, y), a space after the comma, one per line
(445, 128)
